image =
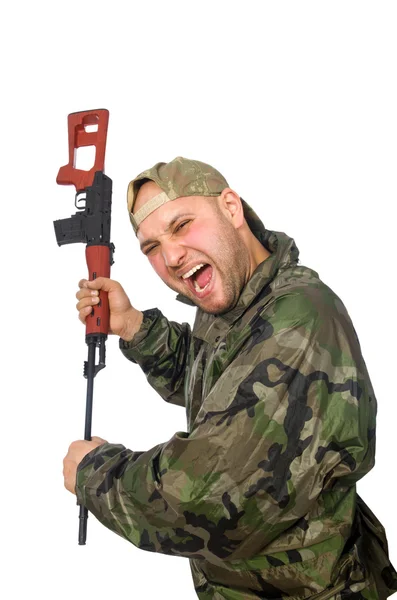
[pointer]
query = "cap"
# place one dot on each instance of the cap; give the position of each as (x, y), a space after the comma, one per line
(178, 178)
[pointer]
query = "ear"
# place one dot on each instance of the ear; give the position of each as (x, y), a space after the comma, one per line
(231, 206)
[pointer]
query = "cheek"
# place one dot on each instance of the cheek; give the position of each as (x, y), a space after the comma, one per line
(200, 238)
(157, 262)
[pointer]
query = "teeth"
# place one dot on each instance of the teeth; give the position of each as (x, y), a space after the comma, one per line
(193, 270)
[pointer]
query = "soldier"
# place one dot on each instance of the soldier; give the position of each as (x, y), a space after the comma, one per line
(260, 492)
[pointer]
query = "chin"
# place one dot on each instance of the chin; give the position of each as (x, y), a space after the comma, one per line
(215, 308)
(210, 305)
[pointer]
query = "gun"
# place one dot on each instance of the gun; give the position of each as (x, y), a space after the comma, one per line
(90, 225)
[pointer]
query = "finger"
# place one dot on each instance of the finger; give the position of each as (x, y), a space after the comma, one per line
(83, 314)
(88, 301)
(86, 285)
(95, 438)
(66, 466)
(86, 293)
(103, 283)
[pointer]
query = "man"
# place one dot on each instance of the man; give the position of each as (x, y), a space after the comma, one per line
(260, 492)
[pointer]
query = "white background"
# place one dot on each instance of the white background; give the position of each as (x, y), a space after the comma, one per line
(295, 103)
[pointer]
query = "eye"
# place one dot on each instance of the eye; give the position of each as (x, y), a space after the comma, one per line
(178, 227)
(149, 250)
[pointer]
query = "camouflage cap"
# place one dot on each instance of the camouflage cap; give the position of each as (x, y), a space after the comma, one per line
(179, 178)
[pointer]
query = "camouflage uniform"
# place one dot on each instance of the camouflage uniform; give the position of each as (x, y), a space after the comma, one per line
(260, 492)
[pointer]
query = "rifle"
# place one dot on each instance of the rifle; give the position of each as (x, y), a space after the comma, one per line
(90, 225)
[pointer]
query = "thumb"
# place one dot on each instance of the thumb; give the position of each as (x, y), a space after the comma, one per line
(101, 283)
(95, 438)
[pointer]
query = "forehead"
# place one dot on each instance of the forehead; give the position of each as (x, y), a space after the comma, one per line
(163, 217)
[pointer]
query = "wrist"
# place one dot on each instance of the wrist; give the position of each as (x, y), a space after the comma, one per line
(133, 325)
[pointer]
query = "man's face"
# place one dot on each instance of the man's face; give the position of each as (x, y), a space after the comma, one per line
(195, 249)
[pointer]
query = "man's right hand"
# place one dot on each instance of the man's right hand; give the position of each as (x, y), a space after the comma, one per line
(125, 320)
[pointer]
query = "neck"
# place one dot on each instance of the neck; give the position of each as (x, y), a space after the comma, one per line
(258, 253)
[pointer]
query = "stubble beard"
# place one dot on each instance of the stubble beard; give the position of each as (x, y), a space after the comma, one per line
(232, 270)
(232, 266)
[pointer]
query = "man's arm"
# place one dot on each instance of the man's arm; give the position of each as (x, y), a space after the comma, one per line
(290, 416)
(148, 338)
(161, 349)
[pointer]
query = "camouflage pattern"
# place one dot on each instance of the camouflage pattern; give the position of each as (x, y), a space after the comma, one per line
(179, 178)
(260, 491)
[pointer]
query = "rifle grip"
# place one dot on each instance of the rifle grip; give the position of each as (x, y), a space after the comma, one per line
(98, 263)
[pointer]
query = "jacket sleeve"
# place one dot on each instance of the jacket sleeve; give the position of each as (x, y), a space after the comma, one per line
(161, 348)
(290, 416)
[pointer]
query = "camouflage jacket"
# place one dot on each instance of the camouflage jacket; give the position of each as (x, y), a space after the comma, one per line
(260, 492)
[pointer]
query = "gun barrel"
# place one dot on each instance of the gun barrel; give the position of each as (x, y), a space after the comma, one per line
(83, 513)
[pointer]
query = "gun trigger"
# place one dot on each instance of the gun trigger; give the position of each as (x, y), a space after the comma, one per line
(79, 198)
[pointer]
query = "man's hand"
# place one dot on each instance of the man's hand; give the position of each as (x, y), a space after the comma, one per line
(125, 320)
(76, 453)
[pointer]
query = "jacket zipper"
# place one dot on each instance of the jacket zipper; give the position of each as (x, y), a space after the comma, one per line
(329, 593)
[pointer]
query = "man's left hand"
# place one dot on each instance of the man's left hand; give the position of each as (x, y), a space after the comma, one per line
(76, 453)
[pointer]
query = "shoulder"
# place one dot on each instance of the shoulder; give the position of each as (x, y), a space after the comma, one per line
(299, 292)
(298, 298)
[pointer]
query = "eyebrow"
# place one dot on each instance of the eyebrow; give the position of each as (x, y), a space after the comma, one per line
(167, 229)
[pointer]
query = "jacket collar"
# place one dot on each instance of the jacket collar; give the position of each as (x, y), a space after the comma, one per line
(284, 253)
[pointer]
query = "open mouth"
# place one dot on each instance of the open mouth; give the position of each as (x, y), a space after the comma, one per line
(199, 279)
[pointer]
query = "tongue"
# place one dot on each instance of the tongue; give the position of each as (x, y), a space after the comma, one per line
(203, 276)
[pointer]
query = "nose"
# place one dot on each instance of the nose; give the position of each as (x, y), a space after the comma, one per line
(173, 253)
